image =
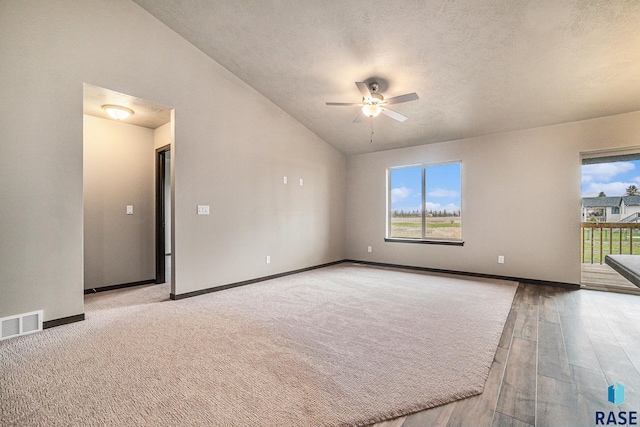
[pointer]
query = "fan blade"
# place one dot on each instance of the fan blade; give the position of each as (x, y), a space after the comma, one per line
(358, 118)
(402, 98)
(343, 104)
(364, 89)
(394, 115)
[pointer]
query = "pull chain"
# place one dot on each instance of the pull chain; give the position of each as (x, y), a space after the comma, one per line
(371, 139)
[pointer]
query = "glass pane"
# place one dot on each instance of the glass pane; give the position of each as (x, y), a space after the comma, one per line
(442, 202)
(406, 198)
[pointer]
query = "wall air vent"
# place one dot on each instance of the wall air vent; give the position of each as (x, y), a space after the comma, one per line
(20, 324)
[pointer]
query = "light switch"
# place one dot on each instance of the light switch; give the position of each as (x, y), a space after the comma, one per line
(129, 209)
(203, 209)
(285, 180)
(301, 181)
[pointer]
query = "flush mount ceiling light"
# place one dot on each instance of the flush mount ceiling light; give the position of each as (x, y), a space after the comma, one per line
(117, 112)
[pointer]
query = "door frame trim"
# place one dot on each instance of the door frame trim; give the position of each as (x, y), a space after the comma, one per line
(160, 213)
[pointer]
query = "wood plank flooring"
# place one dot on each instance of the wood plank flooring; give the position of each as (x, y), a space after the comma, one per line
(559, 351)
(603, 275)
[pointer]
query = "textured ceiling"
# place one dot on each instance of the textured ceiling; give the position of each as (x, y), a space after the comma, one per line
(479, 67)
(145, 113)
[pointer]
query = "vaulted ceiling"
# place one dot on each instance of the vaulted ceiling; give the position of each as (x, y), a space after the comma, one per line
(479, 67)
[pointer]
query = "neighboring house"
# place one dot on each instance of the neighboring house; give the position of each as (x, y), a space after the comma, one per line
(611, 209)
(630, 208)
(604, 209)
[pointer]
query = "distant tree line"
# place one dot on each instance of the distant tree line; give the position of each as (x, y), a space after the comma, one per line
(631, 190)
(430, 213)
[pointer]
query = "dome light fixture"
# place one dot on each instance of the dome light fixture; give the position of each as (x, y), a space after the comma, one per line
(117, 112)
(371, 110)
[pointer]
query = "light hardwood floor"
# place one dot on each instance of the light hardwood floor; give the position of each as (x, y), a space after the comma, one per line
(559, 352)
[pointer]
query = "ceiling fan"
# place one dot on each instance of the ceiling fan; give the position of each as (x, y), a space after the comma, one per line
(373, 103)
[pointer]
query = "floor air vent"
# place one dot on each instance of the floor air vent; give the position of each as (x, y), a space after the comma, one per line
(20, 324)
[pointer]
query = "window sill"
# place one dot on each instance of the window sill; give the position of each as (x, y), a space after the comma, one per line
(426, 242)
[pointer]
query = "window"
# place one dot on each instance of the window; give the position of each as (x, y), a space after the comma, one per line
(615, 210)
(424, 204)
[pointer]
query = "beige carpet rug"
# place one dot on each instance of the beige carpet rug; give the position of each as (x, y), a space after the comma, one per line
(339, 346)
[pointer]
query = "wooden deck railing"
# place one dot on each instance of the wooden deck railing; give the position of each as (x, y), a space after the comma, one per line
(602, 238)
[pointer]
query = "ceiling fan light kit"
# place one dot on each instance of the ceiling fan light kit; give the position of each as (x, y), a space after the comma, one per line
(371, 110)
(373, 103)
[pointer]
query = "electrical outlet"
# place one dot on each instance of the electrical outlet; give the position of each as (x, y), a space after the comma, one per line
(369, 249)
(203, 209)
(500, 259)
(268, 259)
(301, 182)
(129, 209)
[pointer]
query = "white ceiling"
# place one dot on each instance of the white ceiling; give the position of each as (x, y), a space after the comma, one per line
(479, 67)
(145, 113)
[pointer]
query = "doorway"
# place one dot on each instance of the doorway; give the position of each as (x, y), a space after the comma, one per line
(610, 220)
(120, 189)
(163, 214)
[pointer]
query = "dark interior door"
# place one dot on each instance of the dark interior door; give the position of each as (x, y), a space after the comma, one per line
(161, 216)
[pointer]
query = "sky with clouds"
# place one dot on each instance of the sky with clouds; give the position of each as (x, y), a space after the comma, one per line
(442, 188)
(612, 178)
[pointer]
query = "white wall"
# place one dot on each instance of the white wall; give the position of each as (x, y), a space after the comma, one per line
(232, 148)
(520, 199)
(119, 170)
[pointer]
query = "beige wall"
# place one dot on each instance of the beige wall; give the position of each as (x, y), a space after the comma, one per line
(119, 170)
(520, 199)
(232, 148)
(162, 136)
